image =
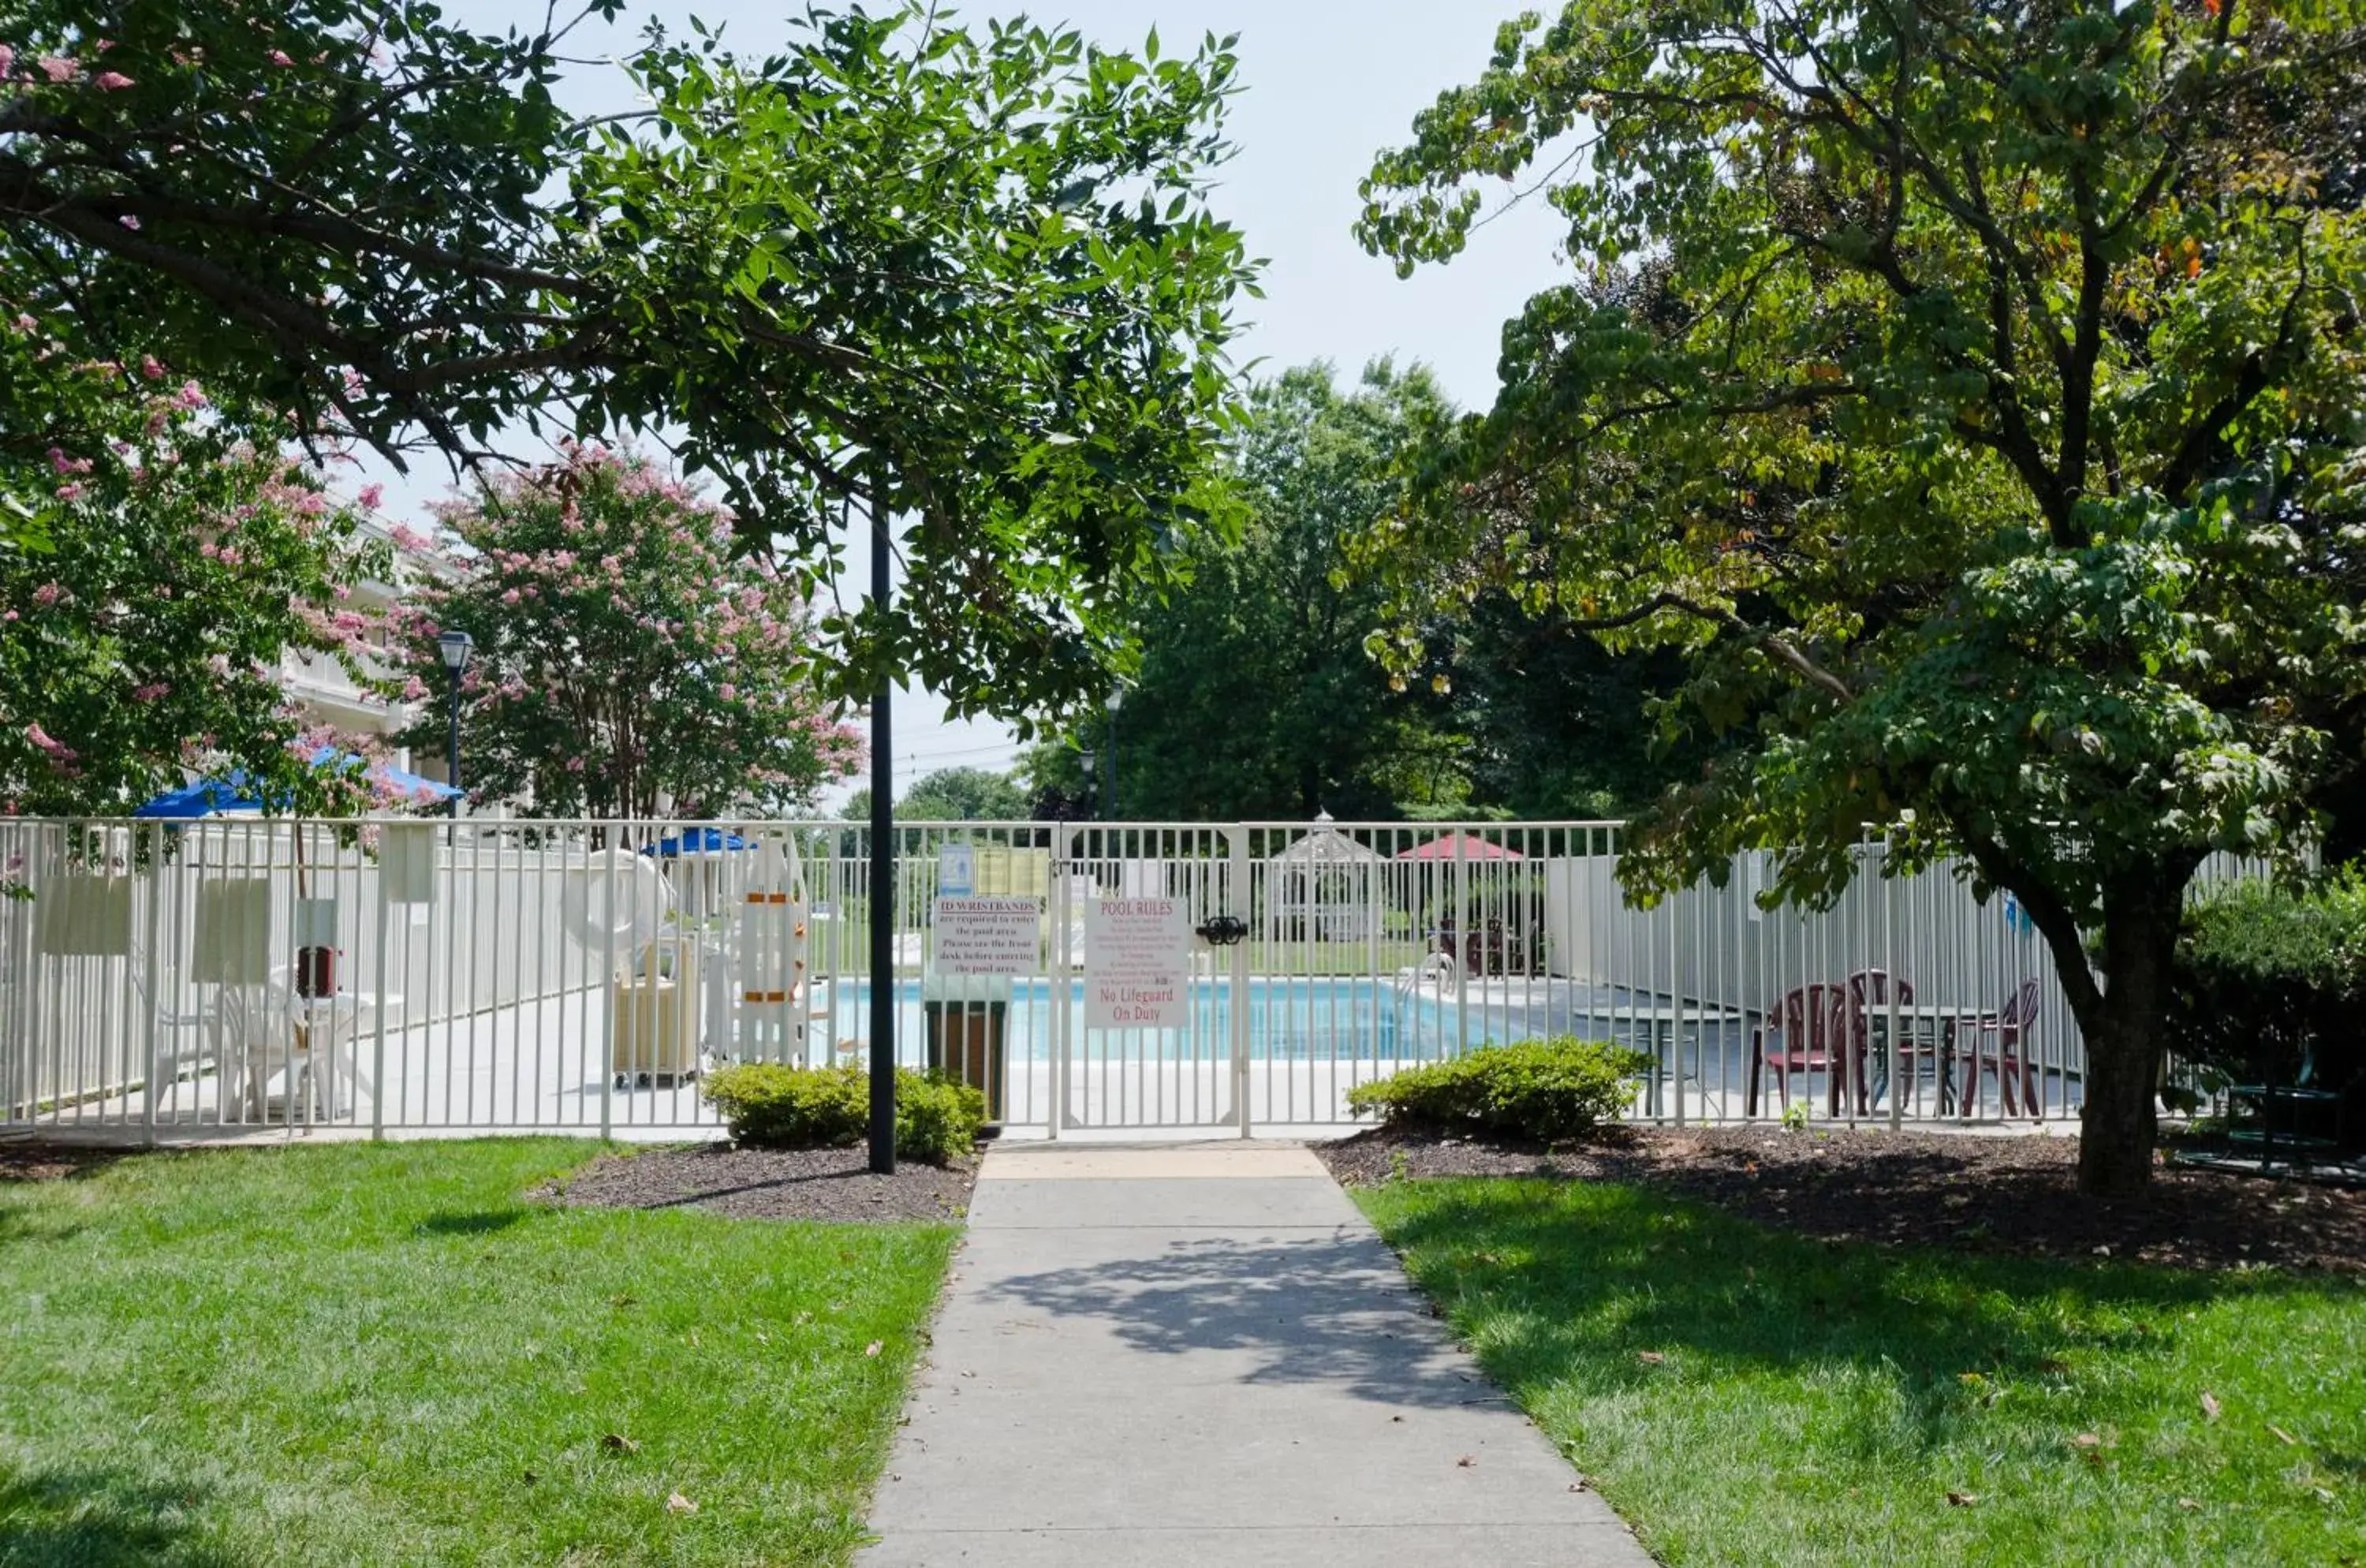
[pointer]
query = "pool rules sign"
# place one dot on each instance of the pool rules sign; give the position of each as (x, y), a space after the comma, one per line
(1137, 964)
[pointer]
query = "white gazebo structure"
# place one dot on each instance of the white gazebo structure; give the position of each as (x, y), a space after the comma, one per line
(1326, 888)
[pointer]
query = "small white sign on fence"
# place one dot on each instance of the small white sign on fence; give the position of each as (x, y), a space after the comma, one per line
(989, 936)
(1137, 964)
(956, 870)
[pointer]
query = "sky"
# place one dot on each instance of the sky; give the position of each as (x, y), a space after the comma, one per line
(1325, 85)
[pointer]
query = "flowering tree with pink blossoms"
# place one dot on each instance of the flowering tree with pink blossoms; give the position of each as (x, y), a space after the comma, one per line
(626, 661)
(155, 567)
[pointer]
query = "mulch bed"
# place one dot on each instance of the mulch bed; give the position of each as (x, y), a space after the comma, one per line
(769, 1184)
(2005, 1195)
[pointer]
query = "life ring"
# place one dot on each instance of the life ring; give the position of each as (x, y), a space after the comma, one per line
(615, 901)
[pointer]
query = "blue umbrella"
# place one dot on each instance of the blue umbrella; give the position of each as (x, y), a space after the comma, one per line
(698, 841)
(204, 797)
(236, 792)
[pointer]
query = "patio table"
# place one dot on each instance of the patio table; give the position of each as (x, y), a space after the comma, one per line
(1918, 1022)
(331, 1029)
(1661, 1021)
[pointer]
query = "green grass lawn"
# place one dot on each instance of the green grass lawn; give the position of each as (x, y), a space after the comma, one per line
(1813, 1403)
(385, 1354)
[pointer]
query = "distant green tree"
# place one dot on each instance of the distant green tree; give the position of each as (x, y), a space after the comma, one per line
(1052, 772)
(1256, 697)
(1558, 726)
(965, 794)
(952, 794)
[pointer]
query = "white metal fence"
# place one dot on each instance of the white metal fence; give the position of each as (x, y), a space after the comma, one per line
(413, 976)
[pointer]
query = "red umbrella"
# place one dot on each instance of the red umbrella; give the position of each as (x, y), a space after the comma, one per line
(1459, 846)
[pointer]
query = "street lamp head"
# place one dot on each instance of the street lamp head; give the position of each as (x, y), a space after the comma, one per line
(1086, 759)
(455, 647)
(1115, 700)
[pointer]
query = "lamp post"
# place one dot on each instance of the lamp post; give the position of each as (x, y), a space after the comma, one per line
(455, 647)
(1085, 758)
(883, 860)
(1115, 699)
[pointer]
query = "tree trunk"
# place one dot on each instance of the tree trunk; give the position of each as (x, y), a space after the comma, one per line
(2124, 1023)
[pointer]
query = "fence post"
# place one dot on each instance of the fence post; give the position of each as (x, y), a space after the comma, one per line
(608, 990)
(1238, 1014)
(1889, 990)
(1065, 1045)
(148, 961)
(378, 1034)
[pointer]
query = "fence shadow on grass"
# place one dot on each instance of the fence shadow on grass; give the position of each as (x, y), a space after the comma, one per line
(1332, 1309)
(97, 1518)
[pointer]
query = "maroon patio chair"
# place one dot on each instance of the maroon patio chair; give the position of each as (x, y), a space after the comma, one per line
(1808, 1036)
(2011, 1025)
(1868, 993)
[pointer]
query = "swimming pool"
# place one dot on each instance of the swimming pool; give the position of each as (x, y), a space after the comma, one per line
(1331, 1017)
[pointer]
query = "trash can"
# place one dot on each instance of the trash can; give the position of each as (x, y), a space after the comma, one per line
(966, 1019)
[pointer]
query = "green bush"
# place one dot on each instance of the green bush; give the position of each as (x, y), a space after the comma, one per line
(1550, 1090)
(2264, 974)
(771, 1106)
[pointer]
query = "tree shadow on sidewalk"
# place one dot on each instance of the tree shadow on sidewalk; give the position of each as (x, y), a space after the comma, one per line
(1335, 1309)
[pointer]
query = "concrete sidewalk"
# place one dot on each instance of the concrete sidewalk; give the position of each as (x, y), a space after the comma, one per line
(1204, 1356)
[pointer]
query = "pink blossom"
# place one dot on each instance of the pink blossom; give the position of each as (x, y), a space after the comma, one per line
(70, 491)
(7, 59)
(25, 323)
(371, 496)
(150, 368)
(279, 57)
(59, 67)
(413, 689)
(574, 764)
(410, 539)
(130, 220)
(110, 81)
(511, 597)
(61, 463)
(150, 692)
(313, 503)
(47, 742)
(190, 396)
(728, 692)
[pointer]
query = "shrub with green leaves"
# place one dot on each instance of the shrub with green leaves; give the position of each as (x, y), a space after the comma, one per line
(1550, 1090)
(2265, 973)
(772, 1106)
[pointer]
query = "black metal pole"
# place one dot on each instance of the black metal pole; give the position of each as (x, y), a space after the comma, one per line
(452, 754)
(1109, 782)
(882, 880)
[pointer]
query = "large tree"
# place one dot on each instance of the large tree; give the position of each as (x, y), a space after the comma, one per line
(624, 663)
(1974, 392)
(965, 278)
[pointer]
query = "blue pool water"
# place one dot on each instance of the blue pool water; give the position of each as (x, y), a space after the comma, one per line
(1289, 1020)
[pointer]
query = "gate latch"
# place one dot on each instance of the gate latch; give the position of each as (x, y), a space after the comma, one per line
(1222, 931)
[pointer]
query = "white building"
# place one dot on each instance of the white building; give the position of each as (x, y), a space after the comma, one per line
(325, 693)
